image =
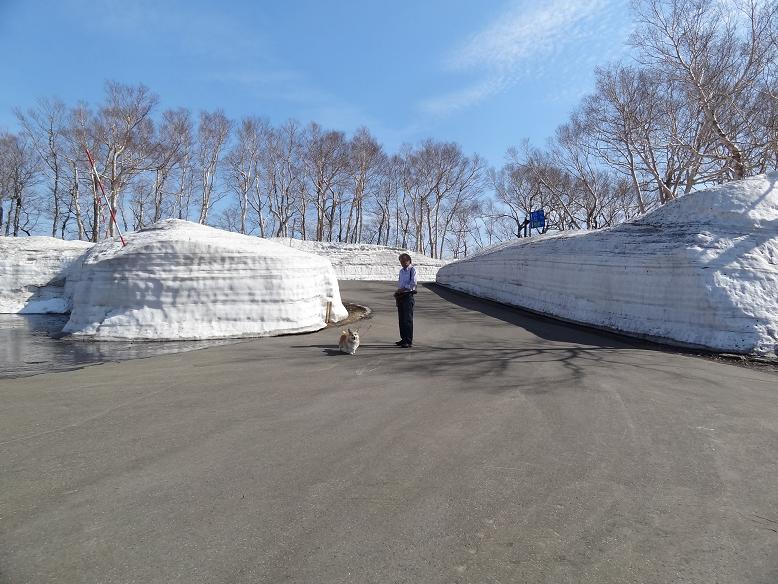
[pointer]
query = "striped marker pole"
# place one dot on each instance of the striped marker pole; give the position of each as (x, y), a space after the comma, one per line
(105, 197)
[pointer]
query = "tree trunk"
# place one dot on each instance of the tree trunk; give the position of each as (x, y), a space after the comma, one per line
(17, 214)
(76, 204)
(55, 218)
(157, 197)
(96, 211)
(114, 194)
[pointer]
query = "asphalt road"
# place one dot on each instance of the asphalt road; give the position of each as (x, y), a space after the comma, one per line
(502, 448)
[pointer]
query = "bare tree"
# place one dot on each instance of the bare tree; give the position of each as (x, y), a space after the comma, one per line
(20, 167)
(456, 197)
(242, 163)
(718, 56)
(557, 187)
(489, 225)
(46, 126)
(182, 174)
(212, 135)
(287, 181)
(280, 178)
(388, 192)
(464, 227)
(171, 147)
(366, 163)
(516, 193)
(85, 134)
(127, 132)
(436, 180)
(622, 114)
(325, 155)
(574, 150)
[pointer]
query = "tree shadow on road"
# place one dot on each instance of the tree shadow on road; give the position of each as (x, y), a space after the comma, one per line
(499, 369)
(544, 327)
(557, 330)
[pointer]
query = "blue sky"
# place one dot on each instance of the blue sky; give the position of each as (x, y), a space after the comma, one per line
(484, 74)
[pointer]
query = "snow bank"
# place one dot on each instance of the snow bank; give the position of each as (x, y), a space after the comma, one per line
(32, 273)
(699, 271)
(184, 281)
(362, 261)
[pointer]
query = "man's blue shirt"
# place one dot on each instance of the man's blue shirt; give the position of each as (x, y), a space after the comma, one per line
(407, 278)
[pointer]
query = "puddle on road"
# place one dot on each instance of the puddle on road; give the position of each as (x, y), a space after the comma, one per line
(28, 346)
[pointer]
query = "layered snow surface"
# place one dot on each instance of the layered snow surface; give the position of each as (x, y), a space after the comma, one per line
(699, 271)
(33, 272)
(363, 261)
(180, 280)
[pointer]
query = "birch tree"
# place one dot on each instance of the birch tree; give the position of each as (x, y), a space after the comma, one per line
(86, 134)
(127, 132)
(366, 164)
(326, 161)
(383, 204)
(280, 178)
(517, 195)
(173, 144)
(20, 167)
(212, 135)
(718, 55)
(46, 126)
(242, 164)
(182, 177)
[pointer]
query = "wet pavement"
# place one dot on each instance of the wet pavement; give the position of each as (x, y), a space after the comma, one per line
(31, 345)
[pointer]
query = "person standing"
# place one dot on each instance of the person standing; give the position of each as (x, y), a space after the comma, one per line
(406, 288)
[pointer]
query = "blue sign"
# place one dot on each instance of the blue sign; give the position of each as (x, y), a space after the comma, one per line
(537, 219)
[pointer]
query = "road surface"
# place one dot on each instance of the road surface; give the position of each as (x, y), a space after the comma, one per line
(502, 448)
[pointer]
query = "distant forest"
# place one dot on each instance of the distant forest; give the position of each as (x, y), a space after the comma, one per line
(696, 105)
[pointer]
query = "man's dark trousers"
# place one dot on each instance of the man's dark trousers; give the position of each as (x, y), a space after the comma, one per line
(405, 304)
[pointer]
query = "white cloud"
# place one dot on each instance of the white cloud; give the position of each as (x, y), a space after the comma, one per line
(465, 97)
(523, 40)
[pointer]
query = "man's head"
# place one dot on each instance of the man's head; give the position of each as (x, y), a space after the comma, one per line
(405, 260)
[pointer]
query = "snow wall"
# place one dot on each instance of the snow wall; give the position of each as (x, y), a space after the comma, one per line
(700, 271)
(178, 280)
(33, 272)
(362, 261)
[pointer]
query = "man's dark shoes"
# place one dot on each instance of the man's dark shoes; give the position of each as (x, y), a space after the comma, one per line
(405, 345)
(398, 343)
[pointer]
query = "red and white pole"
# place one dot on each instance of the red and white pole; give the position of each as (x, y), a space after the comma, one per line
(105, 197)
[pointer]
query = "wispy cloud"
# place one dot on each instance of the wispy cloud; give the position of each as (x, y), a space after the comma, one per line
(524, 40)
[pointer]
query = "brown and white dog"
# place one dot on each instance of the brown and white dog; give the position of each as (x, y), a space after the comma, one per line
(349, 341)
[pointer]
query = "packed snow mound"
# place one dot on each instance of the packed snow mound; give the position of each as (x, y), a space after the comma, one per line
(178, 280)
(364, 261)
(33, 271)
(700, 271)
